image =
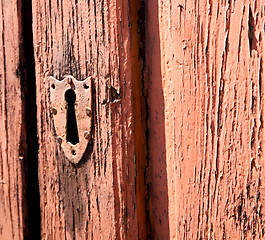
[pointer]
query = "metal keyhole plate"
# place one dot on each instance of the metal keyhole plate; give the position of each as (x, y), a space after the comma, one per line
(72, 117)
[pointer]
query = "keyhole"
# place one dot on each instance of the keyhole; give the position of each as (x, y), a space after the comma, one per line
(71, 125)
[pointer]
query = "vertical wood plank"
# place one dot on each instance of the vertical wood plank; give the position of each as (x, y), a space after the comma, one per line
(208, 122)
(96, 198)
(11, 222)
(18, 186)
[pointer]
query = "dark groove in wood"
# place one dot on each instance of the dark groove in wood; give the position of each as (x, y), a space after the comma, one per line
(31, 201)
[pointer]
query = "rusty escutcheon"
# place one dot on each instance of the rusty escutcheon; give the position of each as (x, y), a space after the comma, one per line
(71, 107)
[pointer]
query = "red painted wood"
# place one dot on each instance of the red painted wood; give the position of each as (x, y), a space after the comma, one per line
(11, 221)
(103, 197)
(18, 148)
(205, 62)
(177, 138)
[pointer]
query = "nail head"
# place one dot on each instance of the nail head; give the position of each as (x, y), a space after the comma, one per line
(54, 111)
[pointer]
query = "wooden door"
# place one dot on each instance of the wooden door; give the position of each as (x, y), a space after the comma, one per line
(176, 149)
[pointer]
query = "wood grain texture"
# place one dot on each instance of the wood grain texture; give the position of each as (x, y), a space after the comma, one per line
(16, 220)
(11, 221)
(17, 187)
(95, 199)
(205, 61)
(19, 196)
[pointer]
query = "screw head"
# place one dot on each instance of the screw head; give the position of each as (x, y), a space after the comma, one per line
(86, 86)
(54, 111)
(86, 134)
(88, 112)
(73, 152)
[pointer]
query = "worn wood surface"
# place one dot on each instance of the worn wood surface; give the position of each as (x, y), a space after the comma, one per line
(11, 203)
(97, 198)
(205, 67)
(184, 77)
(18, 148)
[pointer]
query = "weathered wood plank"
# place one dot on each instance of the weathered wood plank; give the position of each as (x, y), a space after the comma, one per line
(11, 222)
(96, 198)
(206, 130)
(18, 186)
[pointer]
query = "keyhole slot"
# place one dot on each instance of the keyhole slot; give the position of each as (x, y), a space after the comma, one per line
(71, 124)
